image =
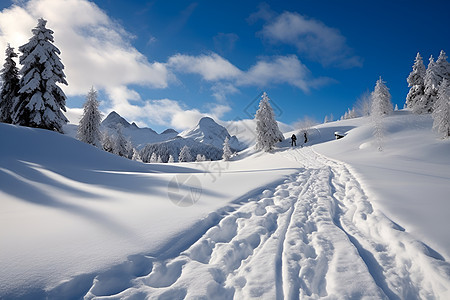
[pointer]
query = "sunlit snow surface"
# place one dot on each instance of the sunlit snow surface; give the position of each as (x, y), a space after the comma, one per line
(335, 219)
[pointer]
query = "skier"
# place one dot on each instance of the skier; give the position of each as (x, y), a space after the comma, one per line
(293, 140)
(306, 137)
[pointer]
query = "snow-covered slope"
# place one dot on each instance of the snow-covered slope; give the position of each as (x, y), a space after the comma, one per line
(138, 136)
(336, 218)
(209, 132)
(409, 180)
(69, 210)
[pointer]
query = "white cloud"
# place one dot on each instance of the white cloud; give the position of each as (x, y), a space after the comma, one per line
(226, 76)
(211, 67)
(74, 115)
(280, 69)
(94, 49)
(311, 37)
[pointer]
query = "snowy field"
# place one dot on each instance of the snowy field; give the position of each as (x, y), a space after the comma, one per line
(335, 219)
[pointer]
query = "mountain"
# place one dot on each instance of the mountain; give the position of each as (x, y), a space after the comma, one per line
(114, 118)
(206, 138)
(209, 132)
(138, 136)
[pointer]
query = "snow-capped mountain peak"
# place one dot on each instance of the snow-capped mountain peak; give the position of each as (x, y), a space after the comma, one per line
(113, 119)
(209, 132)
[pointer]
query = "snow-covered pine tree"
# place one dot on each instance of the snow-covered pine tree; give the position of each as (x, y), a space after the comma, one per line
(442, 67)
(431, 82)
(153, 158)
(120, 143)
(10, 86)
(396, 107)
(108, 142)
(226, 150)
(171, 160)
(136, 156)
(441, 111)
(381, 106)
(200, 158)
(267, 131)
(89, 128)
(185, 154)
(159, 160)
(381, 99)
(416, 82)
(41, 101)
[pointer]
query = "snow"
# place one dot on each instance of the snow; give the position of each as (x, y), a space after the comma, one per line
(209, 132)
(334, 218)
(139, 137)
(409, 179)
(73, 209)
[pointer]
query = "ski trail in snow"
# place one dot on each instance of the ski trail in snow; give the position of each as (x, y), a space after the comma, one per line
(314, 236)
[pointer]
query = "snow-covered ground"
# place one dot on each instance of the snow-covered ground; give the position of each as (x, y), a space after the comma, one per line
(335, 219)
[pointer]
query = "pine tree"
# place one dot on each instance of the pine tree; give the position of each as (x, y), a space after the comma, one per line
(185, 154)
(267, 131)
(159, 160)
(226, 150)
(200, 158)
(10, 86)
(431, 82)
(40, 99)
(381, 99)
(171, 160)
(89, 127)
(441, 111)
(136, 156)
(442, 67)
(120, 143)
(108, 143)
(381, 106)
(153, 158)
(416, 82)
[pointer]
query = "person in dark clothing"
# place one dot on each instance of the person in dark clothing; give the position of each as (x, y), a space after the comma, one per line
(306, 137)
(293, 140)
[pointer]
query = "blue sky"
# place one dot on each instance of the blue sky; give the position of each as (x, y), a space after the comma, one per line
(313, 58)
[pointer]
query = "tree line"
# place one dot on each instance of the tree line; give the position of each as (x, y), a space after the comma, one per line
(429, 93)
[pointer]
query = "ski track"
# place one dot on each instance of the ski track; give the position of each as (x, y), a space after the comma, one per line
(314, 236)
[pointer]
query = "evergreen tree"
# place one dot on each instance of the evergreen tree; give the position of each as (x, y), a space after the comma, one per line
(10, 86)
(226, 150)
(416, 82)
(120, 143)
(185, 154)
(89, 127)
(442, 67)
(431, 82)
(108, 143)
(441, 111)
(171, 160)
(153, 158)
(267, 132)
(159, 160)
(136, 156)
(200, 158)
(381, 99)
(40, 99)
